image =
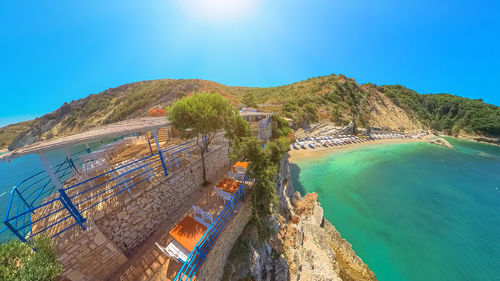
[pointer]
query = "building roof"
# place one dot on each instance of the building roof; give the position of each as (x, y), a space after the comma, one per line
(117, 129)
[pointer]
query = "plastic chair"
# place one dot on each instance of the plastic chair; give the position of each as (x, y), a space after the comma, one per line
(202, 217)
(175, 251)
(226, 196)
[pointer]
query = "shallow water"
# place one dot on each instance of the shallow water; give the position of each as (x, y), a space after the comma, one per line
(413, 211)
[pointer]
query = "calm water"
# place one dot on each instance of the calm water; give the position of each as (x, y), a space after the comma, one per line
(23, 167)
(414, 211)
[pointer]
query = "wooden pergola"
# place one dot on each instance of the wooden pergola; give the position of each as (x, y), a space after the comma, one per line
(114, 130)
(117, 129)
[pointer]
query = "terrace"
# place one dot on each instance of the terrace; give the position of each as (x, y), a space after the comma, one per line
(62, 198)
(149, 262)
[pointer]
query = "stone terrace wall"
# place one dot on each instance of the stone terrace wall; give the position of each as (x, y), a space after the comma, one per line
(212, 267)
(96, 253)
(129, 224)
(88, 255)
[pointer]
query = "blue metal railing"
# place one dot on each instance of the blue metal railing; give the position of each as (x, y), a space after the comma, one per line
(29, 193)
(59, 210)
(264, 123)
(200, 251)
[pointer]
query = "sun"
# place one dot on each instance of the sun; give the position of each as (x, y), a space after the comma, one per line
(219, 10)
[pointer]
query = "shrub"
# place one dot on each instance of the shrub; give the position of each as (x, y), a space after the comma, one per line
(18, 261)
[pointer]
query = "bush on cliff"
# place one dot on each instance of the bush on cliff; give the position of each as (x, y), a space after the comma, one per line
(262, 168)
(282, 129)
(18, 261)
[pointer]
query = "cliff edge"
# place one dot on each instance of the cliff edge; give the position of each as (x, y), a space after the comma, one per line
(303, 246)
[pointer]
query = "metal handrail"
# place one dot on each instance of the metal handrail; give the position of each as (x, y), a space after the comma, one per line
(20, 223)
(203, 246)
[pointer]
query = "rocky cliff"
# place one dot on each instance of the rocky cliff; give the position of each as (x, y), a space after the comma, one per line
(304, 246)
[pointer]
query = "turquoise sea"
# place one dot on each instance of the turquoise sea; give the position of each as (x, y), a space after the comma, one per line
(413, 211)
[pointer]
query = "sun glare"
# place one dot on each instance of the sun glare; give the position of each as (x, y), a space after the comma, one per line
(219, 10)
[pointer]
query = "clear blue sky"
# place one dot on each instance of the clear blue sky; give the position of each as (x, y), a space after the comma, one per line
(57, 51)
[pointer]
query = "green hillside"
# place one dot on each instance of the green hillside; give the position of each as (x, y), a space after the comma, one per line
(447, 113)
(8, 133)
(334, 98)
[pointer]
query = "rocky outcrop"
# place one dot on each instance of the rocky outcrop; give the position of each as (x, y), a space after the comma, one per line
(440, 141)
(315, 248)
(305, 246)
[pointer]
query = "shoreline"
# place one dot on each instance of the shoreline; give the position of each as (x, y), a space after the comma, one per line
(317, 152)
(476, 139)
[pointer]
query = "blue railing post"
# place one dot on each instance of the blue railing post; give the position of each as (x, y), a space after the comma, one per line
(71, 208)
(159, 151)
(72, 163)
(202, 255)
(22, 198)
(190, 267)
(13, 230)
(149, 144)
(176, 160)
(64, 197)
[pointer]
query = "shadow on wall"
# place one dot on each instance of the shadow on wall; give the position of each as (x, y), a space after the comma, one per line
(294, 175)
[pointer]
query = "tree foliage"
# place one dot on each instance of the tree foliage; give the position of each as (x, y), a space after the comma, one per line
(236, 127)
(248, 99)
(282, 129)
(201, 117)
(262, 168)
(447, 113)
(18, 261)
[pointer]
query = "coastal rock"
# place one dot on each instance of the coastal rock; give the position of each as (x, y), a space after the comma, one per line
(281, 269)
(305, 246)
(313, 247)
(440, 141)
(316, 250)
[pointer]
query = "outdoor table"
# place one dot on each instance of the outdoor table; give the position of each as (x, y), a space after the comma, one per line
(228, 185)
(188, 232)
(237, 165)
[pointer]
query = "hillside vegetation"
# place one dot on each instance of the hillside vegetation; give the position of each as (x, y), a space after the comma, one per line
(447, 113)
(8, 133)
(333, 98)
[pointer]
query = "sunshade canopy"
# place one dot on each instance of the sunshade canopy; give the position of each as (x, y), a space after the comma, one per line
(117, 129)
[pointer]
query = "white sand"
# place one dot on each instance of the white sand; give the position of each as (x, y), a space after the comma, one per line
(319, 151)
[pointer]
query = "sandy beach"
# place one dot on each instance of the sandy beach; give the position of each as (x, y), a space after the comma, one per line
(320, 151)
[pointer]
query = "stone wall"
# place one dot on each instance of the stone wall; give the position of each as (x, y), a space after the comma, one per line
(130, 223)
(212, 267)
(87, 255)
(116, 230)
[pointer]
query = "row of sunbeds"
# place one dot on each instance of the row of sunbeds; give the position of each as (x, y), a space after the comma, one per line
(326, 141)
